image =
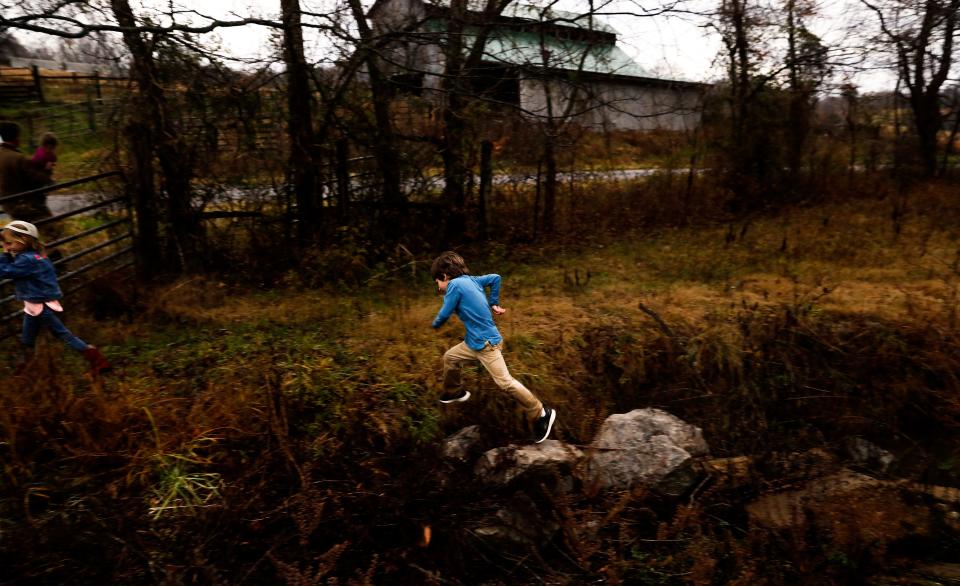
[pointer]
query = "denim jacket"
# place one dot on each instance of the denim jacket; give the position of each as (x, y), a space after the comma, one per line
(34, 278)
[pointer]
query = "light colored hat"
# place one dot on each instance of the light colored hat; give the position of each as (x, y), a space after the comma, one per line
(23, 228)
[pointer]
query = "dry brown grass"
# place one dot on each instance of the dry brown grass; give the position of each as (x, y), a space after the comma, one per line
(282, 423)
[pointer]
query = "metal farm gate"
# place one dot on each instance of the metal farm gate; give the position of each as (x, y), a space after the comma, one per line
(95, 240)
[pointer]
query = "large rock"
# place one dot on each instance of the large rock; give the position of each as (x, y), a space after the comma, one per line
(463, 445)
(634, 429)
(645, 448)
(520, 524)
(500, 466)
(867, 455)
(845, 508)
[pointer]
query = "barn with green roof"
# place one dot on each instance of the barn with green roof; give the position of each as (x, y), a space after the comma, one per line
(542, 61)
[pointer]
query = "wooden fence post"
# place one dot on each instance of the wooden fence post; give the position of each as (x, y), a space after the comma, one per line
(96, 85)
(141, 188)
(91, 112)
(31, 139)
(486, 176)
(342, 172)
(536, 199)
(38, 83)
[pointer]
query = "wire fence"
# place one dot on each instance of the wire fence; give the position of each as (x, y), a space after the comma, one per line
(70, 121)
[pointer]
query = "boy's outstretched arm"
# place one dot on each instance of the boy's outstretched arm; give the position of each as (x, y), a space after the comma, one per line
(493, 282)
(450, 301)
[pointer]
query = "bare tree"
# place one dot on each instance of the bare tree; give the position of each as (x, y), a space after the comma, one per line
(806, 64)
(152, 125)
(921, 35)
(384, 142)
(560, 111)
(460, 65)
(740, 25)
(155, 125)
(469, 59)
(166, 220)
(302, 168)
(775, 69)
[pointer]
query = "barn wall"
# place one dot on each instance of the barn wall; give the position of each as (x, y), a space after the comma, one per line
(615, 105)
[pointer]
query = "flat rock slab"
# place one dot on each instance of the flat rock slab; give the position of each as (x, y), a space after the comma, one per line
(502, 465)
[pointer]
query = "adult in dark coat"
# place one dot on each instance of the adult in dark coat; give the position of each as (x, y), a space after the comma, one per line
(18, 174)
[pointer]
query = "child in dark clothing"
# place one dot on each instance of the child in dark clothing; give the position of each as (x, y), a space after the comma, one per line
(465, 296)
(45, 158)
(35, 283)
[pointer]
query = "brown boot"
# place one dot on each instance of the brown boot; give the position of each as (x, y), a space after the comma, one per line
(98, 362)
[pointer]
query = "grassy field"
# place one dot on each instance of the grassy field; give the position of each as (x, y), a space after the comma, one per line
(272, 433)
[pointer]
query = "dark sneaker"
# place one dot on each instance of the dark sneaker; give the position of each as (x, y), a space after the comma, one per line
(455, 396)
(543, 425)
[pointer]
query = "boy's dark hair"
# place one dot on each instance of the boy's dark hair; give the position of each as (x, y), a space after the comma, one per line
(49, 139)
(449, 265)
(9, 131)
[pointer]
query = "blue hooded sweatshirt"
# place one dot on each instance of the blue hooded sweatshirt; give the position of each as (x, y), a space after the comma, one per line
(465, 296)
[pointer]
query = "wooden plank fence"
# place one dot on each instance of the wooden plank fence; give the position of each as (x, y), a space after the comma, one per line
(19, 85)
(32, 84)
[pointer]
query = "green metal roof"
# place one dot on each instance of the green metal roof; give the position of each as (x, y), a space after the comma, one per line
(509, 44)
(524, 48)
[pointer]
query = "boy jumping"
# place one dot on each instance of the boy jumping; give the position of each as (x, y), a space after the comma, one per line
(465, 296)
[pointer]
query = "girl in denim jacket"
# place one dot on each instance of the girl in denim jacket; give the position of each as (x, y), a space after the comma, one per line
(35, 283)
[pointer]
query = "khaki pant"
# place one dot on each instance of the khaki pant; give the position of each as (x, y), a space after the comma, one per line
(492, 359)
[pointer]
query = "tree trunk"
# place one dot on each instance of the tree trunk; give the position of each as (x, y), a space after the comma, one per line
(741, 165)
(454, 126)
(740, 76)
(299, 122)
(928, 120)
(385, 150)
(154, 114)
(550, 184)
(924, 70)
(850, 97)
(455, 86)
(342, 172)
(798, 124)
(486, 180)
(140, 184)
